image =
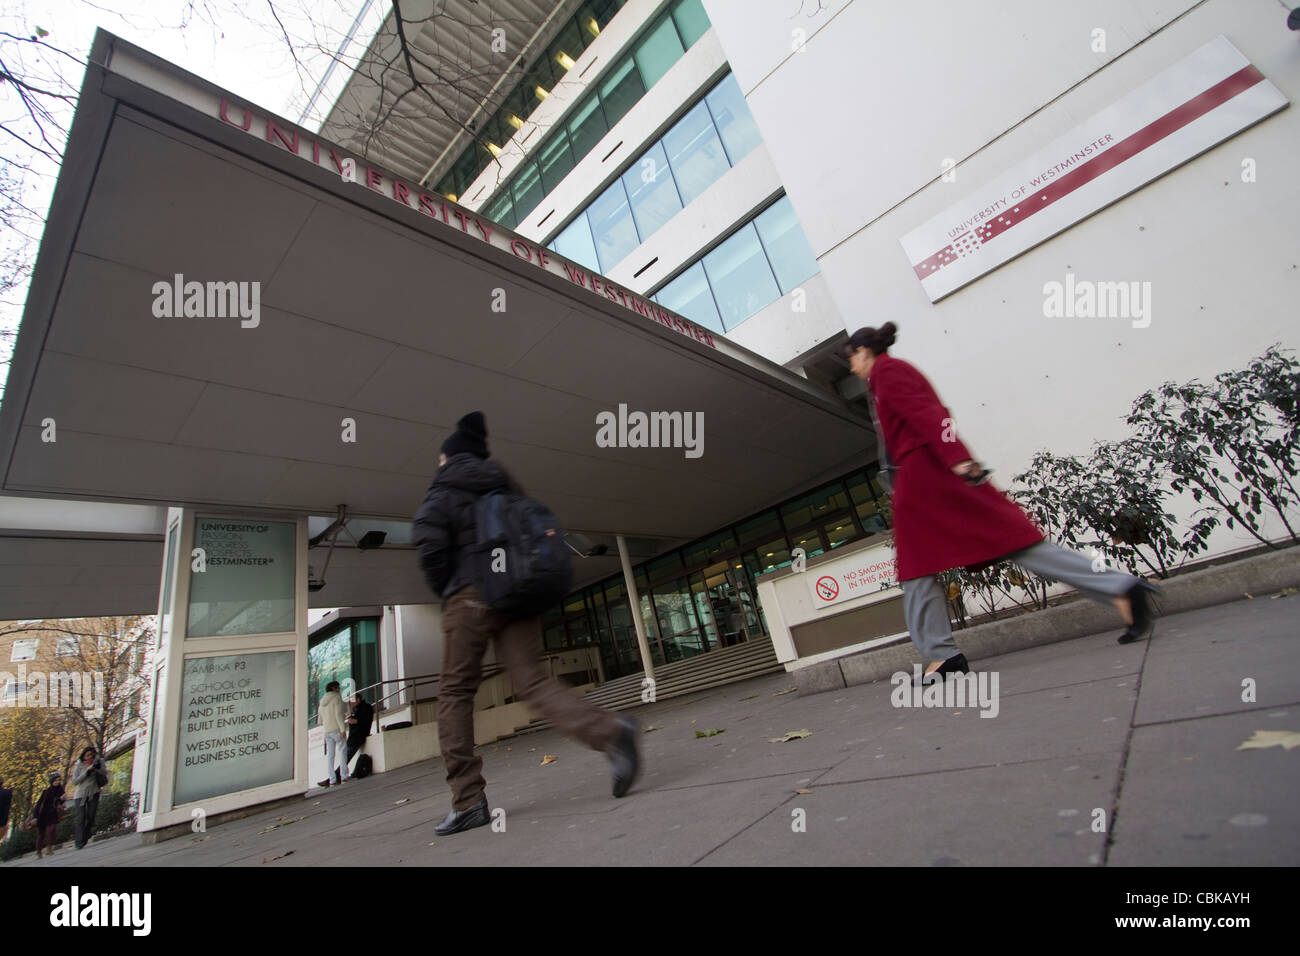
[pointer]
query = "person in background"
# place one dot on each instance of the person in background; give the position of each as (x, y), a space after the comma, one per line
(358, 725)
(6, 801)
(947, 514)
(46, 814)
(330, 714)
(89, 776)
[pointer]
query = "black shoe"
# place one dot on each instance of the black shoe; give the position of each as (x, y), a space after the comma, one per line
(322, 783)
(1144, 612)
(458, 820)
(956, 664)
(623, 755)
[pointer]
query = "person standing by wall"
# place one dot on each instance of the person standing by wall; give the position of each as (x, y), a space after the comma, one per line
(89, 776)
(445, 533)
(6, 801)
(359, 722)
(46, 814)
(947, 515)
(330, 715)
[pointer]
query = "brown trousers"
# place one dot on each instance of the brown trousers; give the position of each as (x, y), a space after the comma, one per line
(468, 625)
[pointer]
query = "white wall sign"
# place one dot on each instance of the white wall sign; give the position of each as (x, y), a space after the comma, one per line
(873, 571)
(236, 724)
(1197, 103)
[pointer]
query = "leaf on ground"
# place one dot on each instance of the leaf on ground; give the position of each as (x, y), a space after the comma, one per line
(750, 697)
(433, 844)
(277, 825)
(792, 735)
(280, 857)
(649, 729)
(1287, 739)
(1249, 595)
(532, 750)
(803, 791)
(398, 803)
(547, 759)
(709, 733)
(1285, 592)
(782, 693)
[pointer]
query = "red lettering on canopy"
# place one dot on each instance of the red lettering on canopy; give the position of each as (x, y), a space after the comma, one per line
(400, 192)
(374, 179)
(576, 274)
(248, 115)
(274, 132)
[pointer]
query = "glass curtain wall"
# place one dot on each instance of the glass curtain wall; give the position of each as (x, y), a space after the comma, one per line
(703, 596)
(596, 113)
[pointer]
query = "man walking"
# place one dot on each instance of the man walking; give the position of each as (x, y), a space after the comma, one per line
(330, 713)
(445, 532)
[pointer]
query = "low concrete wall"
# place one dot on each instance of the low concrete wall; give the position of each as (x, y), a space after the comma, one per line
(1258, 576)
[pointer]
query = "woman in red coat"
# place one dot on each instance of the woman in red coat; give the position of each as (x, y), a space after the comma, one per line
(947, 515)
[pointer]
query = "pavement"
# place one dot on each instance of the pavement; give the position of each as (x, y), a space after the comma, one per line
(1099, 755)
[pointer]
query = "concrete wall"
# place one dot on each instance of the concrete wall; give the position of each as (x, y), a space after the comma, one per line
(858, 126)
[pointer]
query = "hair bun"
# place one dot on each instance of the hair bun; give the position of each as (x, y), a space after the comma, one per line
(888, 334)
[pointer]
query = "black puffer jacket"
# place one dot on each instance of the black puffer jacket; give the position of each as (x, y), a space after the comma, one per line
(444, 526)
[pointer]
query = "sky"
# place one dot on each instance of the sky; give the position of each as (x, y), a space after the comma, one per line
(240, 45)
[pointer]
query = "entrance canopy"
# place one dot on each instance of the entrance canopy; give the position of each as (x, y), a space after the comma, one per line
(230, 313)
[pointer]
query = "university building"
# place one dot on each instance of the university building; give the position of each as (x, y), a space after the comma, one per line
(676, 206)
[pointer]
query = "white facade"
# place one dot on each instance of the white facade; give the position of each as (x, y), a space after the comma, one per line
(859, 115)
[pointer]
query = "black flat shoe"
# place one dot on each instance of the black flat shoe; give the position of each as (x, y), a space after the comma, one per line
(458, 820)
(956, 664)
(623, 755)
(1144, 612)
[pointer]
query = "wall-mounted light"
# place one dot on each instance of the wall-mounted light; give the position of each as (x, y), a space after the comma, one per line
(593, 27)
(564, 60)
(494, 149)
(514, 120)
(541, 93)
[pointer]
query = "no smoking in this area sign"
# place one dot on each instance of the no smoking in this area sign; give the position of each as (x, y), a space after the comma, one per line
(827, 588)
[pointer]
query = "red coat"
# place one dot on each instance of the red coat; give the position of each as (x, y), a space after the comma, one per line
(940, 522)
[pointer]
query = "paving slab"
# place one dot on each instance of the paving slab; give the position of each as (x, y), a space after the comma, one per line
(1191, 798)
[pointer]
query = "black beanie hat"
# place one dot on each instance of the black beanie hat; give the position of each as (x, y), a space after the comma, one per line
(470, 436)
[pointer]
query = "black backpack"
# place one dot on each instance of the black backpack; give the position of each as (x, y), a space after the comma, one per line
(365, 766)
(519, 563)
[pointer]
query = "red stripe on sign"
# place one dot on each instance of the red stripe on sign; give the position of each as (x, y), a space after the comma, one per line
(1121, 152)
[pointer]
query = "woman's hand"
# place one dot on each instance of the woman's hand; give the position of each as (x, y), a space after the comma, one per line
(964, 468)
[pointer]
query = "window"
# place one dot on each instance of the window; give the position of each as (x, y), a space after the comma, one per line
(576, 244)
(787, 250)
(732, 118)
(24, 650)
(68, 647)
(692, 22)
(657, 51)
(527, 190)
(620, 91)
(741, 278)
(652, 193)
(612, 228)
(695, 153)
(689, 295)
(555, 160)
(752, 268)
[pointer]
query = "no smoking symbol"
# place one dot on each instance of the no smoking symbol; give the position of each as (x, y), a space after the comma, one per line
(827, 588)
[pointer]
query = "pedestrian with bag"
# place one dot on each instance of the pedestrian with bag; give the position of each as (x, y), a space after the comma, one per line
(89, 777)
(946, 514)
(478, 572)
(45, 815)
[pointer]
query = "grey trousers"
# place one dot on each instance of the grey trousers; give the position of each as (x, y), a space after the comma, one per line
(926, 612)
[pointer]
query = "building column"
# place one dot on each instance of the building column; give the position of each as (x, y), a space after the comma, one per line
(634, 603)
